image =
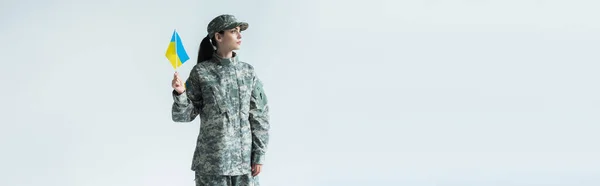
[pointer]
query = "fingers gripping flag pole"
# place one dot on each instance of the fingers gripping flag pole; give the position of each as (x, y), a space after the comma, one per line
(176, 54)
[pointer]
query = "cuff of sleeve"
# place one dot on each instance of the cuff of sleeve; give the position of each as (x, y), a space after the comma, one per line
(179, 98)
(258, 159)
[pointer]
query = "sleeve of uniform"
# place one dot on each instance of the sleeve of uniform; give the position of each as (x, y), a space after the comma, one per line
(259, 122)
(186, 106)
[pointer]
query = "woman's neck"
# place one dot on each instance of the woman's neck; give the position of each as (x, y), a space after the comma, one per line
(225, 54)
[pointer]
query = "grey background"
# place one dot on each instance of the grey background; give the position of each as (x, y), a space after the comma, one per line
(380, 92)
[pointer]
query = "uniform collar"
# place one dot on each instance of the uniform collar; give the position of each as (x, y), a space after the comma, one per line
(225, 61)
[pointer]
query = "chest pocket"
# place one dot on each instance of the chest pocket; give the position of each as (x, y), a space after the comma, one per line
(212, 97)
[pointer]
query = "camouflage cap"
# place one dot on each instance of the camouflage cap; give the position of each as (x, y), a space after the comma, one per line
(224, 22)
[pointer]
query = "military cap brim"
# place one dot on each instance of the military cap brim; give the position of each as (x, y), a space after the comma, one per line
(243, 25)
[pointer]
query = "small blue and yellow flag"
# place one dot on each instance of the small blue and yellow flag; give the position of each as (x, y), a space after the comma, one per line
(175, 52)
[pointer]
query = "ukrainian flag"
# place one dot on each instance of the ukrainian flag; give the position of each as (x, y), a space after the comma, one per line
(175, 52)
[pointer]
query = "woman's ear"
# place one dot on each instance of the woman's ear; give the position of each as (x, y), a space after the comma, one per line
(218, 37)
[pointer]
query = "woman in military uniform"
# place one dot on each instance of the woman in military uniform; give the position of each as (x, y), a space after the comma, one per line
(229, 98)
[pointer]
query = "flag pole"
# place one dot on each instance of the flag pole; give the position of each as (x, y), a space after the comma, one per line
(176, 56)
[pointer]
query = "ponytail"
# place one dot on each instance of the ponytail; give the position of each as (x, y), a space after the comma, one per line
(206, 50)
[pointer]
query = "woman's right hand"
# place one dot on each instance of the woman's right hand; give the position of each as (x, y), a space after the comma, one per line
(177, 84)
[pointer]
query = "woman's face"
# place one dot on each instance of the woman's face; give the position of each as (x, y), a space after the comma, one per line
(231, 39)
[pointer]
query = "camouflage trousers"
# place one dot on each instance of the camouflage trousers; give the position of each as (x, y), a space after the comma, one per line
(224, 180)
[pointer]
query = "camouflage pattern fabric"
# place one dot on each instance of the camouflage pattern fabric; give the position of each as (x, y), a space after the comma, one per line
(218, 180)
(232, 105)
(224, 22)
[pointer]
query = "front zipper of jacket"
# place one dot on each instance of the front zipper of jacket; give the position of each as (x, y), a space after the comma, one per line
(232, 74)
(239, 112)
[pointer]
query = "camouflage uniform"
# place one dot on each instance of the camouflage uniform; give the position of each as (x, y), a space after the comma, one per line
(229, 98)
